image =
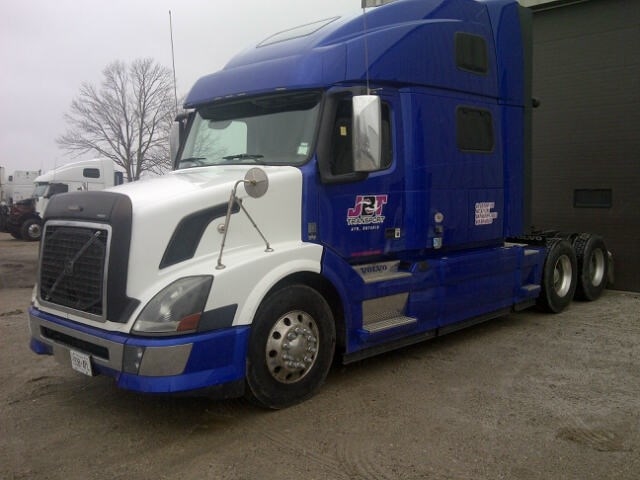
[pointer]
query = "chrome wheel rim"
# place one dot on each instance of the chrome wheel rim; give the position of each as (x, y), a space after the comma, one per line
(34, 231)
(596, 267)
(562, 276)
(292, 346)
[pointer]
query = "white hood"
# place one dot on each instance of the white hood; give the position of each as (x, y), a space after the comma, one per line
(159, 204)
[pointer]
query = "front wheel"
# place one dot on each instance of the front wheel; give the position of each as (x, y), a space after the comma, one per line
(31, 230)
(559, 276)
(291, 347)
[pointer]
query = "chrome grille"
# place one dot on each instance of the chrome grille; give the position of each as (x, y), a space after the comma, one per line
(72, 267)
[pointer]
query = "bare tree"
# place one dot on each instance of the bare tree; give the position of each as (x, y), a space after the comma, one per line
(127, 119)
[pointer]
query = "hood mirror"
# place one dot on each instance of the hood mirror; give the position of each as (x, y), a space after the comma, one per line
(256, 182)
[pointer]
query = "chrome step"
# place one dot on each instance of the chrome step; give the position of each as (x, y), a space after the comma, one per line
(387, 312)
(532, 287)
(388, 323)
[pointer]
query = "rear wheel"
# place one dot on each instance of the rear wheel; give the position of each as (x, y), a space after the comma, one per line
(558, 277)
(591, 254)
(291, 347)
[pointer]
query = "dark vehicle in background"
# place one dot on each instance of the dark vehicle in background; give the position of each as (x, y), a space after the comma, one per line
(4, 214)
(21, 220)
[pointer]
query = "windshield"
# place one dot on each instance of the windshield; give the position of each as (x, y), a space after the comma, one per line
(40, 189)
(271, 130)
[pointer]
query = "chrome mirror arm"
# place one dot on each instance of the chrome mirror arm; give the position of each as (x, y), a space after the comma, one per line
(256, 185)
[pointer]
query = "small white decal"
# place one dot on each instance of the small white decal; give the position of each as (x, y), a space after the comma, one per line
(484, 215)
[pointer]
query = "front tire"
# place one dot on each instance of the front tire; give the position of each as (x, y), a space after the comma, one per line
(559, 276)
(31, 230)
(290, 348)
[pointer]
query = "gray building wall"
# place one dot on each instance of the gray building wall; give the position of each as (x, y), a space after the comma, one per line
(586, 133)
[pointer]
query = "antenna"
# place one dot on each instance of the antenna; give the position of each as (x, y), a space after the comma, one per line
(366, 44)
(173, 62)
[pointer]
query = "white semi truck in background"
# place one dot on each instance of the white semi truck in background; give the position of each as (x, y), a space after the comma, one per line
(86, 175)
(17, 186)
(23, 219)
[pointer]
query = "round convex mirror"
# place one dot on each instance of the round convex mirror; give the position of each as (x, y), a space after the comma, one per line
(256, 182)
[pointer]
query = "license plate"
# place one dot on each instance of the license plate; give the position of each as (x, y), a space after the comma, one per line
(81, 362)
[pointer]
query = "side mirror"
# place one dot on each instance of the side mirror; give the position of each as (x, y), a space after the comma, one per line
(367, 140)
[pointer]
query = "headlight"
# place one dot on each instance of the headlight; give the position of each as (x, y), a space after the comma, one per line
(177, 308)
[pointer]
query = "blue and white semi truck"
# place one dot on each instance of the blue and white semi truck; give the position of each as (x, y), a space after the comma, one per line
(341, 189)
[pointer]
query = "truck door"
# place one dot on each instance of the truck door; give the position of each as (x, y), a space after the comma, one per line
(360, 214)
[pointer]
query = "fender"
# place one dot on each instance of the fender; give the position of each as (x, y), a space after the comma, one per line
(232, 286)
(340, 274)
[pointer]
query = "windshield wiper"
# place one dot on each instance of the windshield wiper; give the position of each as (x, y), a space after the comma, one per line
(197, 161)
(244, 156)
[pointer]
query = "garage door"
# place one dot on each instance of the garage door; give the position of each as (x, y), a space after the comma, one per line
(586, 132)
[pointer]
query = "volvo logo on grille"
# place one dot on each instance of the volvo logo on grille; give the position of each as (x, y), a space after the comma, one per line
(68, 266)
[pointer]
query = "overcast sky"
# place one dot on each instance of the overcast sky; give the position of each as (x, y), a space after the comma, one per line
(49, 47)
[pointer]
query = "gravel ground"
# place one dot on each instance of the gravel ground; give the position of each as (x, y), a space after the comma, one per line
(528, 396)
